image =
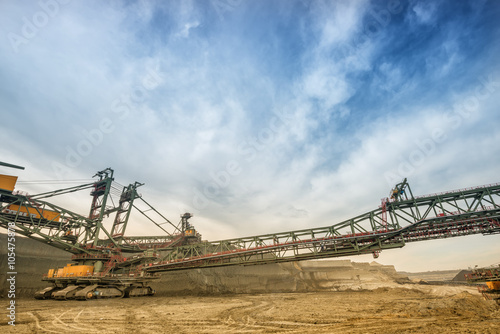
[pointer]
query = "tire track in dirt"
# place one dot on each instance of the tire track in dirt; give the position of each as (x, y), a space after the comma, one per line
(37, 323)
(255, 317)
(58, 324)
(173, 318)
(381, 311)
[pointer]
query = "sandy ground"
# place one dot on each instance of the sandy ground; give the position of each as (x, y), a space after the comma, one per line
(409, 309)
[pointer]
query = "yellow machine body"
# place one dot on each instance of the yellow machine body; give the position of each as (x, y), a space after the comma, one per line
(71, 271)
(7, 182)
(493, 285)
(24, 211)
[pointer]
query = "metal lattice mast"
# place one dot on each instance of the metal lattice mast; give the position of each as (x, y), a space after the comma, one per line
(98, 206)
(129, 194)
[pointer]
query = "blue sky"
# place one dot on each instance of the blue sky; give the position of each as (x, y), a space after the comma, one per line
(258, 116)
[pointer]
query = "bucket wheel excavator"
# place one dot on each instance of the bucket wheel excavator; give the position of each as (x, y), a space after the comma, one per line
(107, 263)
(108, 266)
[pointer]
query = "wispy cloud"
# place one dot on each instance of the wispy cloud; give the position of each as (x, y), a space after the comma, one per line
(425, 12)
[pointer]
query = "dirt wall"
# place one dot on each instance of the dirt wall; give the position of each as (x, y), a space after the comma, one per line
(33, 259)
(303, 276)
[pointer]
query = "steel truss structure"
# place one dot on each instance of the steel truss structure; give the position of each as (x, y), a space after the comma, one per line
(400, 219)
(40, 220)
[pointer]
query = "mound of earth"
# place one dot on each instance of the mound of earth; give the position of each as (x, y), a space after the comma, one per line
(460, 277)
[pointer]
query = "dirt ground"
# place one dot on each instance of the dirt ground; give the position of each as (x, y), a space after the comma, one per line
(418, 309)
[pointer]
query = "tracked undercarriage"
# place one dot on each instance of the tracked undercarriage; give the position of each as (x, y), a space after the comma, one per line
(84, 288)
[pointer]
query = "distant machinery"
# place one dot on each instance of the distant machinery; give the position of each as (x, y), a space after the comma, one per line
(112, 264)
(490, 279)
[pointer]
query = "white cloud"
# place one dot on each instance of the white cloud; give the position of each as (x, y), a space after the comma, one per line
(425, 11)
(338, 21)
(184, 33)
(327, 86)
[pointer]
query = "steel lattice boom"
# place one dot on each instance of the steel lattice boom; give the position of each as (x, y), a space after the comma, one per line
(400, 219)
